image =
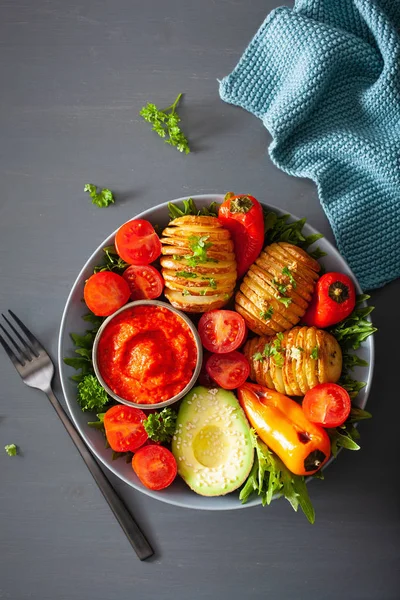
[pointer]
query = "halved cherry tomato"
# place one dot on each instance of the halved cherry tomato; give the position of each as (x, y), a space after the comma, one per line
(243, 216)
(137, 243)
(124, 428)
(105, 292)
(155, 466)
(222, 331)
(229, 370)
(144, 281)
(334, 299)
(327, 404)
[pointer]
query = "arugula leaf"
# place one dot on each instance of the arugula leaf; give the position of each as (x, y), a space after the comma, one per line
(160, 427)
(188, 207)
(269, 476)
(350, 361)
(278, 229)
(351, 385)
(99, 424)
(166, 124)
(91, 395)
(11, 449)
(358, 414)
(356, 328)
(102, 198)
(341, 440)
(112, 262)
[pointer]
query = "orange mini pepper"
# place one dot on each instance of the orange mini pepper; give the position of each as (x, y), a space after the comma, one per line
(280, 422)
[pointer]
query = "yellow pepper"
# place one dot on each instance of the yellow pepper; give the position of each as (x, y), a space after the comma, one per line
(280, 422)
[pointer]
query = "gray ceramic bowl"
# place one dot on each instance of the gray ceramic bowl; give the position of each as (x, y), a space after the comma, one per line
(178, 493)
(196, 372)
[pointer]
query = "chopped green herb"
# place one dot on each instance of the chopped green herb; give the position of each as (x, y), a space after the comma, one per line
(203, 292)
(101, 199)
(166, 124)
(282, 289)
(273, 350)
(295, 352)
(185, 293)
(186, 274)
(286, 301)
(11, 449)
(266, 314)
(160, 427)
(177, 256)
(199, 247)
(91, 395)
(314, 353)
(286, 271)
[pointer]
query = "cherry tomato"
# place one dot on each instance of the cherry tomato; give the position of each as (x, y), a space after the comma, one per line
(155, 466)
(334, 299)
(145, 282)
(106, 292)
(137, 243)
(228, 370)
(327, 404)
(124, 428)
(243, 216)
(222, 331)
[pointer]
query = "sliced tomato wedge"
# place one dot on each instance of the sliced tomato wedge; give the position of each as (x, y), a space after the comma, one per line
(137, 242)
(222, 331)
(144, 281)
(124, 428)
(243, 216)
(327, 404)
(229, 370)
(106, 292)
(155, 466)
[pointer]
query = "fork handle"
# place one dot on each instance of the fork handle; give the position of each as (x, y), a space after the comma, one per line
(123, 516)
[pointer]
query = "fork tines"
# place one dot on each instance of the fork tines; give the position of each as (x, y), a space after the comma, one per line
(25, 351)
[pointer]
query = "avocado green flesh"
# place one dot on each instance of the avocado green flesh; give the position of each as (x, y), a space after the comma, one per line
(212, 443)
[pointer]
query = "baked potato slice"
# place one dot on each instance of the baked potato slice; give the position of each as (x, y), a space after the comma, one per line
(302, 257)
(306, 357)
(246, 308)
(311, 357)
(198, 263)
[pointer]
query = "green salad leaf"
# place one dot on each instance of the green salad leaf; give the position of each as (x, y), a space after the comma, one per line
(166, 124)
(188, 207)
(112, 262)
(160, 427)
(11, 449)
(280, 229)
(269, 476)
(91, 395)
(102, 198)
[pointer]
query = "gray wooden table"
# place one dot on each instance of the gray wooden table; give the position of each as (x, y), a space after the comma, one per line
(73, 78)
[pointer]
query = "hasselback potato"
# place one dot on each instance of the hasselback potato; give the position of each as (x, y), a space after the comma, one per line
(277, 288)
(295, 361)
(198, 263)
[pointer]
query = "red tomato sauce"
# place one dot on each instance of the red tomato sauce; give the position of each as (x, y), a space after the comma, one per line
(147, 354)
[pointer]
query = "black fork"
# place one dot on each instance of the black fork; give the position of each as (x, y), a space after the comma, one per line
(36, 369)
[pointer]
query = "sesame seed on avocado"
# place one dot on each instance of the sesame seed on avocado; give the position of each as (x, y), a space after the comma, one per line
(212, 443)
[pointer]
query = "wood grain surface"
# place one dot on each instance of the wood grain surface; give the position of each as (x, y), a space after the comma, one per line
(73, 77)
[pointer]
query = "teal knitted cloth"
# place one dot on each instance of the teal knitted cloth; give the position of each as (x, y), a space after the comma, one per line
(324, 78)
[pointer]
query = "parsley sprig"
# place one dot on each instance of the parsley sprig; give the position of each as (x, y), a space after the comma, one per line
(273, 350)
(102, 198)
(166, 124)
(112, 262)
(160, 427)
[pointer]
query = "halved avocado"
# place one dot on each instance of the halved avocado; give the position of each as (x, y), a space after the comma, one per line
(212, 443)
